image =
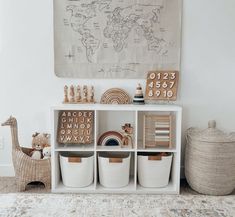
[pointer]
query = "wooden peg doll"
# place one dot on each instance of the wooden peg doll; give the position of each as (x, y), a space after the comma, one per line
(71, 93)
(84, 99)
(78, 94)
(92, 95)
(66, 99)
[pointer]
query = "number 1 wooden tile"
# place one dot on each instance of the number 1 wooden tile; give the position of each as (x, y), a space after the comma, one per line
(162, 85)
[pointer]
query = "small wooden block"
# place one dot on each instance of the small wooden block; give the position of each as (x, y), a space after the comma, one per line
(155, 158)
(115, 160)
(74, 160)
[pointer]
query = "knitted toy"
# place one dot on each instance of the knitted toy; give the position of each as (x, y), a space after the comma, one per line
(46, 152)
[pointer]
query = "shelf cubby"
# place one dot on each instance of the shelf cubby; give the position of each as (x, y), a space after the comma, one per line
(140, 130)
(132, 182)
(113, 120)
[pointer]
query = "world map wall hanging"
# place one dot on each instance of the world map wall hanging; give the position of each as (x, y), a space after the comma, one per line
(116, 38)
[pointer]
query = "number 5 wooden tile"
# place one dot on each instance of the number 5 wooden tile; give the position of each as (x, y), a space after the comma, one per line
(162, 85)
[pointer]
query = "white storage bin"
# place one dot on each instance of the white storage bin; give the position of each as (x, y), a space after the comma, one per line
(77, 170)
(114, 169)
(154, 171)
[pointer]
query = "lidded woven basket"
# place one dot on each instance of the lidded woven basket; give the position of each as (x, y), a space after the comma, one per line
(210, 160)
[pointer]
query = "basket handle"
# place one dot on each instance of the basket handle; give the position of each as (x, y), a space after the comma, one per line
(155, 158)
(115, 160)
(74, 160)
(186, 135)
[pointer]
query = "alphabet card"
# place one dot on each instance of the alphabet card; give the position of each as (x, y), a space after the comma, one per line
(75, 127)
(162, 85)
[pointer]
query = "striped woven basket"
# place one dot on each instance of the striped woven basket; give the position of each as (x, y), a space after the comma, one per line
(210, 160)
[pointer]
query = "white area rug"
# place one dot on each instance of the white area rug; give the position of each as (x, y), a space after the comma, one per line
(95, 205)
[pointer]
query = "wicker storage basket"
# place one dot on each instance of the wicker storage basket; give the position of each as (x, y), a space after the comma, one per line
(210, 160)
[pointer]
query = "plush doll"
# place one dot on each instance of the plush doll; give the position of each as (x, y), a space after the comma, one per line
(39, 141)
(46, 152)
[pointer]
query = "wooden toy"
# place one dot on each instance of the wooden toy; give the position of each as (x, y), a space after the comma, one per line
(115, 96)
(66, 99)
(72, 94)
(127, 135)
(162, 85)
(84, 98)
(139, 97)
(75, 127)
(157, 131)
(91, 99)
(78, 96)
(110, 138)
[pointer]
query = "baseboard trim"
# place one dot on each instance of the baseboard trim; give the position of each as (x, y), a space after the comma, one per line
(7, 170)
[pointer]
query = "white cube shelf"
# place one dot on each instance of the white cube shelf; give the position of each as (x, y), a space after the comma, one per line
(112, 117)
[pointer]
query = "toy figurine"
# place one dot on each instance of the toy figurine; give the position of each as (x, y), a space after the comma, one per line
(71, 93)
(84, 99)
(91, 100)
(66, 99)
(139, 97)
(127, 138)
(78, 94)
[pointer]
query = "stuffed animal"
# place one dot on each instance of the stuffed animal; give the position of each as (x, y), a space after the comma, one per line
(46, 152)
(39, 141)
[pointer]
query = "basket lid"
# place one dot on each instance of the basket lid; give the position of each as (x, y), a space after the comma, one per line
(211, 134)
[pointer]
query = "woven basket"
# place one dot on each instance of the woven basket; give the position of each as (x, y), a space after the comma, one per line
(210, 160)
(27, 170)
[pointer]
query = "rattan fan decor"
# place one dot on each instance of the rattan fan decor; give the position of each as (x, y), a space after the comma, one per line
(115, 96)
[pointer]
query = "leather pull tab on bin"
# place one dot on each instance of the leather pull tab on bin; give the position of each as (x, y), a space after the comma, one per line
(115, 160)
(74, 160)
(158, 157)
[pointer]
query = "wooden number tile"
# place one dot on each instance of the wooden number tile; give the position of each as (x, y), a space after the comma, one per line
(162, 85)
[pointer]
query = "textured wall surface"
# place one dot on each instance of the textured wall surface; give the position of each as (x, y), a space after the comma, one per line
(28, 86)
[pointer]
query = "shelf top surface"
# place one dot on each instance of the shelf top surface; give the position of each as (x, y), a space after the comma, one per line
(111, 107)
